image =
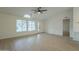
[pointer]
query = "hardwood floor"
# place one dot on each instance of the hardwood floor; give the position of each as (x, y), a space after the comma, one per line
(39, 42)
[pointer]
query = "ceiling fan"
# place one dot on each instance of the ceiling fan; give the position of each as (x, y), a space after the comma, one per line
(39, 10)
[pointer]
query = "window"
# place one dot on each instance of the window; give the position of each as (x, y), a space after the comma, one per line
(31, 25)
(19, 25)
(24, 25)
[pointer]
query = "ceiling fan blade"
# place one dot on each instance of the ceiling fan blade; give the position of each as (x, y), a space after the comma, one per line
(39, 8)
(34, 11)
(44, 10)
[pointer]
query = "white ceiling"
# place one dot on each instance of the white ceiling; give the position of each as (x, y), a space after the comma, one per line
(21, 11)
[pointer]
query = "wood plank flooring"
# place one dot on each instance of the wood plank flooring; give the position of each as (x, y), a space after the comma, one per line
(39, 42)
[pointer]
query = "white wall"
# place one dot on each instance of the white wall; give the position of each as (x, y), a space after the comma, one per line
(0, 26)
(76, 23)
(54, 25)
(8, 26)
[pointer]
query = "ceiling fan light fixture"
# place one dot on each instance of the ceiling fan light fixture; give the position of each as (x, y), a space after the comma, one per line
(39, 13)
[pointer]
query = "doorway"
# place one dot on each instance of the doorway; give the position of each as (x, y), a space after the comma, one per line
(66, 27)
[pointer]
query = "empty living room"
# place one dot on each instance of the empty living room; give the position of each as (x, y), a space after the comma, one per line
(39, 28)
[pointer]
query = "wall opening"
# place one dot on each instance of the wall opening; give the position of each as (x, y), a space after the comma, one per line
(66, 27)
